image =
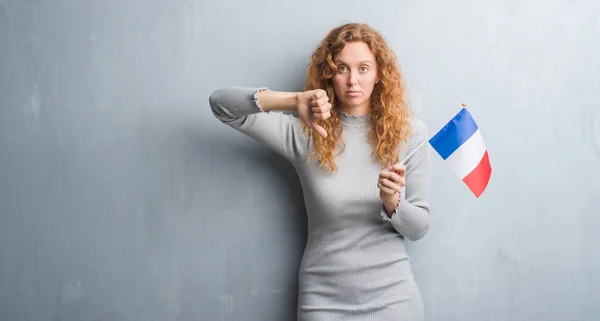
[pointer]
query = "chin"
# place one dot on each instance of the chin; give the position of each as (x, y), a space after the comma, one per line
(354, 102)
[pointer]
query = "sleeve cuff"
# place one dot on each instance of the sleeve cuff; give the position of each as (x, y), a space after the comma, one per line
(397, 211)
(256, 98)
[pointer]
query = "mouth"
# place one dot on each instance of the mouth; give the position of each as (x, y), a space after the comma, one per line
(353, 93)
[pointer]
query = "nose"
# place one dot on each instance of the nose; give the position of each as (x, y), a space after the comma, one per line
(352, 78)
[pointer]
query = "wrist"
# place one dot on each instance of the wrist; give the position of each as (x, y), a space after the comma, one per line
(390, 206)
(297, 100)
(278, 100)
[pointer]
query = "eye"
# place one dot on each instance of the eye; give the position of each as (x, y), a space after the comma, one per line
(364, 69)
(342, 68)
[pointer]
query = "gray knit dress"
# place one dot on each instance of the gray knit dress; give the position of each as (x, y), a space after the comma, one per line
(355, 266)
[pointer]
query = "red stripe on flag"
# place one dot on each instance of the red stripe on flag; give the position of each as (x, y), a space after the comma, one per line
(477, 180)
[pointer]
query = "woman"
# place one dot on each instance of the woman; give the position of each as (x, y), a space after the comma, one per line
(353, 128)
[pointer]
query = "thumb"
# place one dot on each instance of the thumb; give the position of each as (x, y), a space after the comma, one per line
(398, 168)
(320, 130)
(316, 94)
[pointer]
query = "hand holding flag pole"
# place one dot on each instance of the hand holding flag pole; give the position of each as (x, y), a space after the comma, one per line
(461, 146)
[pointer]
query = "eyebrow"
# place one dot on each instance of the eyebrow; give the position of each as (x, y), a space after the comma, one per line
(361, 63)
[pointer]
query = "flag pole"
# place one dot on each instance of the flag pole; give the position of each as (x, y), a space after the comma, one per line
(413, 152)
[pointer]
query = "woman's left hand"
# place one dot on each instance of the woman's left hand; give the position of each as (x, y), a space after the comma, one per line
(390, 182)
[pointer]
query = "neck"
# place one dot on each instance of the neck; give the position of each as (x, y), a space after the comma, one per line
(356, 110)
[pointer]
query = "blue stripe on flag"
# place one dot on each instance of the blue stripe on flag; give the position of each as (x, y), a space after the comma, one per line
(460, 128)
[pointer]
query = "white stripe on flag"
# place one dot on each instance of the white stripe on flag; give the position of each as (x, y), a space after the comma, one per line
(468, 155)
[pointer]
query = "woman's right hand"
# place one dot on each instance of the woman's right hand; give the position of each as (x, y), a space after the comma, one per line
(313, 105)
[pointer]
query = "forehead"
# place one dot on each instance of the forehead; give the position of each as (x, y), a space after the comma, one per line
(355, 52)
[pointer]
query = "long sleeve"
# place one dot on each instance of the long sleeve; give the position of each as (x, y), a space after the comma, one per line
(239, 108)
(411, 216)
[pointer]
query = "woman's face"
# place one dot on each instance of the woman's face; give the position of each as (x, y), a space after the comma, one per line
(356, 77)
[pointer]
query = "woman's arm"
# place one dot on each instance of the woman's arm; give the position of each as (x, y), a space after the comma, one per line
(278, 100)
(247, 110)
(410, 217)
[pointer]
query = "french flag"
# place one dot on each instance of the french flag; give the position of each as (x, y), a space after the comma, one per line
(462, 147)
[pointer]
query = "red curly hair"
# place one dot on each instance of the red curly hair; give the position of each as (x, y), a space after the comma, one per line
(389, 123)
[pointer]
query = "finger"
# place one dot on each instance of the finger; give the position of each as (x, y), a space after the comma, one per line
(321, 108)
(400, 182)
(322, 116)
(400, 169)
(319, 99)
(320, 130)
(321, 112)
(389, 184)
(390, 175)
(320, 103)
(386, 190)
(323, 100)
(318, 94)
